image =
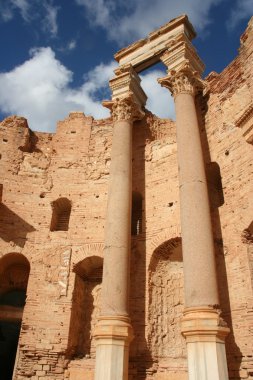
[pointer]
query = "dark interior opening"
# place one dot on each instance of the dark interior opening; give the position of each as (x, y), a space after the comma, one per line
(136, 223)
(9, 333)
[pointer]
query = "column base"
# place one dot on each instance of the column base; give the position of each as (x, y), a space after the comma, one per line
(112, 335)
(205, 334)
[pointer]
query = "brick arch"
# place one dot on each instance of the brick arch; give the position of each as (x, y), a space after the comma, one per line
(85, 251)
(14, 272)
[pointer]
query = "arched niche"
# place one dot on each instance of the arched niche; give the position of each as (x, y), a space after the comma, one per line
(85, 307)
(166, 302)
(61, 210)
(14, 274)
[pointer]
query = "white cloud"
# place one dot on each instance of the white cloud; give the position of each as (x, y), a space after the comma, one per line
(139, 18)
(160, 101)
(23, 6)
(98, 10)
(71, 45)
(40, 90)
(243, 9)
(50, 20)
(43, 11)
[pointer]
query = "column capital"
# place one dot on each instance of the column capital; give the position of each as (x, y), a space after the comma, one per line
(184, 81)
(124, 108)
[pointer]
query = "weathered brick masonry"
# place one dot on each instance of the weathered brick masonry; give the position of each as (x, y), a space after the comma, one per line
(47, 177)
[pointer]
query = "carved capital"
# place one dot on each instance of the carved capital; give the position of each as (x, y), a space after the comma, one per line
(124, 109)
(184, 81)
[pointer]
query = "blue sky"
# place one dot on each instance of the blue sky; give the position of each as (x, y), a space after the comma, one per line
(57, 55)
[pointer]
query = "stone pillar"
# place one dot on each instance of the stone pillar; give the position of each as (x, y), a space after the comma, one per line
(202, 326)
(114, 332)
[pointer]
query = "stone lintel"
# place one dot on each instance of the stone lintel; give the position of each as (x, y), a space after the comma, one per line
(180, 52)
(146, 52)
(125, 82)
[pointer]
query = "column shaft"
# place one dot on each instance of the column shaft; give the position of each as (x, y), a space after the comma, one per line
(118, 223)
(197, 239)
(201, 324)
(113, 333)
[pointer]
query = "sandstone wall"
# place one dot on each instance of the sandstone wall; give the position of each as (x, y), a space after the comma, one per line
(63, 289)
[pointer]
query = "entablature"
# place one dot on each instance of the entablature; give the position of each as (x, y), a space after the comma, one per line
(146, 52)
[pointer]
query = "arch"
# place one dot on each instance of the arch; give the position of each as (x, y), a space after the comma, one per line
(60, 215)
(85, 307)
(136, 220)
(14, 274)
(166, 302)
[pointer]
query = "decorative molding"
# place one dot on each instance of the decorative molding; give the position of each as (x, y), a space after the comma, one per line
(180, 51)
(57, 263)
(245, 122)
(127, 83)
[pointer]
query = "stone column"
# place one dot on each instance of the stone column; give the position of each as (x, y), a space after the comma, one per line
(202, 326)
(114, 332)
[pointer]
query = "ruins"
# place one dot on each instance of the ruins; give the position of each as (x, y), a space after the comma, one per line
(126, 246)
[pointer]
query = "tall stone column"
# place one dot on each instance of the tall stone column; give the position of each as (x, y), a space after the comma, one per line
(202, 326)
(114, 332)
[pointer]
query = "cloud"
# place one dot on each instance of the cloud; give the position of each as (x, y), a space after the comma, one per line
(243, 9)
(118, 18)
(50, 19)
(23, 6)
(160, 101)
(42, 11)
(71, 45)
(40, 90)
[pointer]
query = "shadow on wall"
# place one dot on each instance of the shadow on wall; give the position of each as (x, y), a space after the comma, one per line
(139, 357)
(85, 307)
(216, 197)
(12, 227)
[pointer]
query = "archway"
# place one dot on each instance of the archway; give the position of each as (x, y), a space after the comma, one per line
(14, 274)
(85, 307)
(166, 303)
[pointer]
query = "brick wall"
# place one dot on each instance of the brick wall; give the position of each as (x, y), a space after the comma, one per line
(36, 169)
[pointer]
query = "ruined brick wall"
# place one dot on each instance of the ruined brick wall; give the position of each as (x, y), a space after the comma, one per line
(37, 169)
(230, 100)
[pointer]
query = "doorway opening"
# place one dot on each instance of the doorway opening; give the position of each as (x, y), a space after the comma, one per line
(14, 273)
